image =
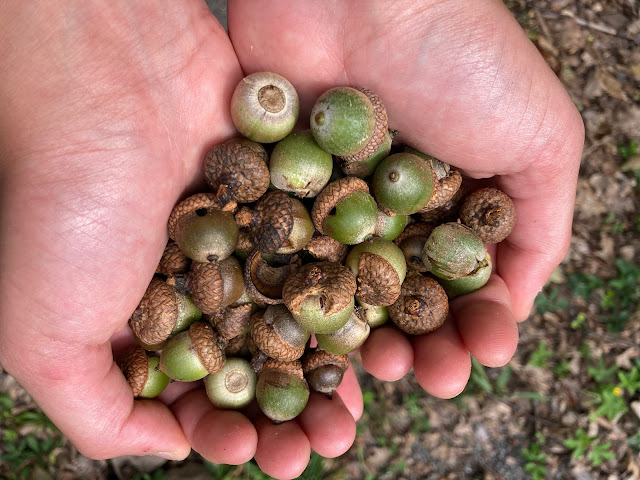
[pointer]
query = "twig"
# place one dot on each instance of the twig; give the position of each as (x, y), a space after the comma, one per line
(584, 23)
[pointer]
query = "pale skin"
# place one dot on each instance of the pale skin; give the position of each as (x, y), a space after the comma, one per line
(108, 109)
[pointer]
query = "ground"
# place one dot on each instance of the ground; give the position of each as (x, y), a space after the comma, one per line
(568, 405)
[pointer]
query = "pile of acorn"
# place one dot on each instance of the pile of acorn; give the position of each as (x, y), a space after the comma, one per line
(329, 231)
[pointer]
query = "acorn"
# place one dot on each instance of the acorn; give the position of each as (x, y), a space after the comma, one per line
(298, 165)
(265, 107)
(348, 338)
(233, 387)
(203, 231)
(276, 333)
(469, 283)
(232, 321)
(323, 370)
(346, 121)
(281, 391)
(379, 267)
(374, 315)
(390, 226)
(345, 211)
(411, 241)
(301, 232)
(490, 213)
(173, 261)
(320, 296)
(193, 354)
(216, 285)
(162, 312)
(142, 373)
(422, 306)
(240, 165)
(452, 251)
(403, 183)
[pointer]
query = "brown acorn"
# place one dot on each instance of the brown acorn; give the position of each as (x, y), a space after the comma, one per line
(490, 213)
(421, 307)
(323, 370)
(173, 261)
(162, 312)
(241, 165)
(276, 334)
(232, 320)
(215, 285)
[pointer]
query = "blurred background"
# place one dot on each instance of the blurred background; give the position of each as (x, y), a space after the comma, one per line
(568, 405)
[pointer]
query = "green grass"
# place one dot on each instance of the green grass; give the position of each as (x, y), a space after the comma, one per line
(23, 454)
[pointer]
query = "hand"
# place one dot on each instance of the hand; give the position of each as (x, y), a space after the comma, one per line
(108, 110)
(462, 82)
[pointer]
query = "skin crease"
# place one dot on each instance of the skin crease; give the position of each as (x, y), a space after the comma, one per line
(112, 107)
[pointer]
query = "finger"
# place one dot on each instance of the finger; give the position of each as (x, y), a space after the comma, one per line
(220, 436)
(351, 394)
(442, 362)
(283, 449)
(328, 424)
(387, 354)
(486, 323)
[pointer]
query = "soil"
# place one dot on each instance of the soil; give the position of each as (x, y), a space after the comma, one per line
(574, 368)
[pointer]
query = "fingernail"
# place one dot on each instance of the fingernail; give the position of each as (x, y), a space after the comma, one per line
(166, 455)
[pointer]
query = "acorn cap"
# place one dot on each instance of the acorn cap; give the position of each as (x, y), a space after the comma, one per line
(292, 367)
(444, 190)
(411, 241)
(323, 247)
(333, 282)
(324, 371)
(157, 313)
(380, 267)
(207, 289)
(173, 261)
(275, 209)
(380, 131)
(269, 341)
(231, 321)
(421, 307)
(490, 213)
(135, 367)
(263, 282)
(207, 346)
(241, 165)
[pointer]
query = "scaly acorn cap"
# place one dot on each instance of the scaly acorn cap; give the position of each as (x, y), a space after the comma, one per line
(231, 321)
(161, 312)
(207, 346)
(333, 282)
(323, 247)
(380, 131)
(490, 213)
(421, 307)
(207, 288)
(329, 197)
(173, 261)
(269, 340)
(275, 209)
(241, 164)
